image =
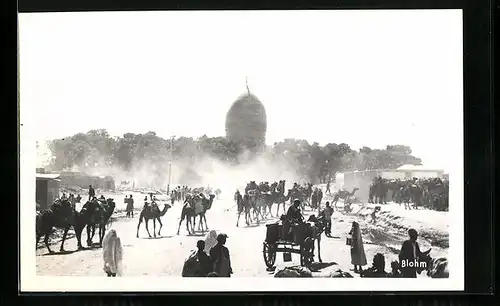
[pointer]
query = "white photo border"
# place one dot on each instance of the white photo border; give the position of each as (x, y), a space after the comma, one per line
(30, 281)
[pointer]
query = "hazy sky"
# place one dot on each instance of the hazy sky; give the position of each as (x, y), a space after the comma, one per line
(361, 77)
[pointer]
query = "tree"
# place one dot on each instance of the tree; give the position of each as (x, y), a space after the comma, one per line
(312, 161)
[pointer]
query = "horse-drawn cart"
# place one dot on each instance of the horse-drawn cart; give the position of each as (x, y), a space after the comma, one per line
(279, 238)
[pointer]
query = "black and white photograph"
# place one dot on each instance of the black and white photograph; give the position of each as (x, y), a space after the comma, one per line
(159, 148)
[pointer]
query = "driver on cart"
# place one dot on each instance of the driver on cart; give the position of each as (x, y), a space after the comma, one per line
(293, 215)
(293, 218)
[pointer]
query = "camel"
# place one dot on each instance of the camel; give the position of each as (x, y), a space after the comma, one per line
(344, 195)
(152, 212)
(244, 205)
(206, 205)
(280, 199)
(256, 201)
(315, 228)
(59, 215)
(195, 206)
(91, 215)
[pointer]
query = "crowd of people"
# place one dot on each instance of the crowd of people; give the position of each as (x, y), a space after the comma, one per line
(431, 193)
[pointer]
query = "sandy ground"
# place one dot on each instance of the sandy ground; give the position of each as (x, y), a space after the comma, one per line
(165, 255)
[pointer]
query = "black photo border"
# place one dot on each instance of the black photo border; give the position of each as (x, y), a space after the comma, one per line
(478, 133)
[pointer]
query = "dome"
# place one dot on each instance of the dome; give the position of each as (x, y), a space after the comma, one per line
(246, 121)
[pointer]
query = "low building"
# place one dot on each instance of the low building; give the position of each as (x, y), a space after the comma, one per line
(83, 180)
(47, 189)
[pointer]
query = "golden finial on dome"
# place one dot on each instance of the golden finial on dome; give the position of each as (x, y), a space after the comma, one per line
(246, 83)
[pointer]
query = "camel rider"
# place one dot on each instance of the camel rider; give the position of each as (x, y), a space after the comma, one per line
(72, 200)
(146, 204)
(154, 202)
(237, 195)
(64, 197)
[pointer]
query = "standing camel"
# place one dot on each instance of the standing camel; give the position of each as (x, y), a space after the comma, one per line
(59, 215)
(315, 227)
(154, 213)
(344, 195)
(206, 205)
(244, 206)
(280, 199)
(195, 206)
(95, 214)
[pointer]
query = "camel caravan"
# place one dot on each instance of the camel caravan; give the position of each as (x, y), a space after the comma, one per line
(62, 214)
(257, 200)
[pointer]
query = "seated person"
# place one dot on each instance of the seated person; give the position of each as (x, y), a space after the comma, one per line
(292, 219)
(395, 269)
(293, 214)
(146, 204)
(377, 269)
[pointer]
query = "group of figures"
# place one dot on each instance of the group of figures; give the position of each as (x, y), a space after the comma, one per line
(179, 193)
(62, 214)
(258, 199)
(411, 260)
(431, 193)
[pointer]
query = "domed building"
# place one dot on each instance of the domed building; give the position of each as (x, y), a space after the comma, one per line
(246, 122)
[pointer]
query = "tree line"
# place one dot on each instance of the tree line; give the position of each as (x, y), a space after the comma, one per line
(97, 148)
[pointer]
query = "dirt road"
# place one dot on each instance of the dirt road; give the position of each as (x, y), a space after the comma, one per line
(165, 255)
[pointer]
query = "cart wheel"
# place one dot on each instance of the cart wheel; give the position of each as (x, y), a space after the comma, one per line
(269, 253)
(305, 256)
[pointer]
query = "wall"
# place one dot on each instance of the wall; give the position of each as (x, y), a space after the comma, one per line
(83, 181)
(393, 175)
(47, 191)
(52, 191)
(424, 174)
(41, 193)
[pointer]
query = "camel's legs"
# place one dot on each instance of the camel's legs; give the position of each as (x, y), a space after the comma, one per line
(319, 248)
(193, 220)
(89, 232)
(46, 240)
(138, 226)
(161, 225)
(205, 222)
(61, 249)
(154, 227)
(180, 222)
(200, 224)
(188, 222)
(248, 218)
(78, 234)
(102, 231)
(38, 236)
(147, 227)
(237, 220)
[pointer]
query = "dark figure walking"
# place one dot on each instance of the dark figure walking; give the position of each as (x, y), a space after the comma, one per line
(91, 192)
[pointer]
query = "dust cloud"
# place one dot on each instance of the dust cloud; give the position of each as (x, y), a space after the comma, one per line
(201, 170)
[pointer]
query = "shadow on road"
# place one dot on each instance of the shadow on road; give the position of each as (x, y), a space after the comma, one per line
(317, 266)
(197, 235)
(94, 247)
(157, 237)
